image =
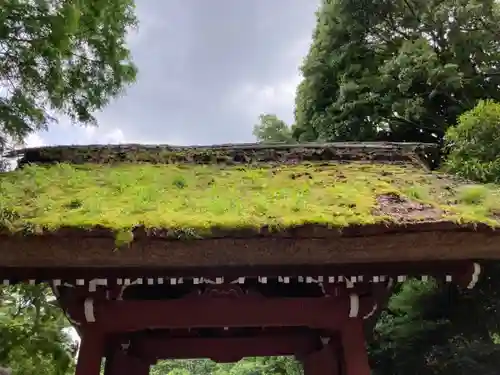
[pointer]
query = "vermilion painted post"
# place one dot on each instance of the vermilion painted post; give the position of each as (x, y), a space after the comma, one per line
(120, 363)
(322, 362)
(90, 353)
(352, 338)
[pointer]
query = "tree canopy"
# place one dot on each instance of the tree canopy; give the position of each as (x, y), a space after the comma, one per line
(474, 143)
(33, 332)
(271, 129)
(248, 366)
(400, 70)
(65, 57)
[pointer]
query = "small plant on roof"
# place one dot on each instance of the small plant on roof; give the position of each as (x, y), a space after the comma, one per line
(179, 182)
(123, 238)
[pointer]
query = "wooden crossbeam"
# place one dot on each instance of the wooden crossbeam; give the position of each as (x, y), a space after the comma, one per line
(223, 349)
(136, 315)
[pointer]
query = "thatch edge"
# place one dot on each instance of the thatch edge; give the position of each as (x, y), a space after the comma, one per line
(420, 244)
(420, 154)
(300, 231)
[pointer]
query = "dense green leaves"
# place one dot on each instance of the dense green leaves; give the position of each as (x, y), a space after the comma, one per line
(438, 329)
(248, 366)
(474, 144)
(60, 56)
(271, 129)
(399, 70)
(33, 332)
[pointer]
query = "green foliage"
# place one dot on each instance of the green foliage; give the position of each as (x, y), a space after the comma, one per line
(248, 366)
(66, 56)
(399, 70)
(440, 329)
(474, 143)
(271, 129)
(33, 336)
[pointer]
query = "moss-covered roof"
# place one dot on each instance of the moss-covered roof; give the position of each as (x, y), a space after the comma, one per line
(290, 189)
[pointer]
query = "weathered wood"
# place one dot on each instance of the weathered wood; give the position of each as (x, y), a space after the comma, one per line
(412, 244)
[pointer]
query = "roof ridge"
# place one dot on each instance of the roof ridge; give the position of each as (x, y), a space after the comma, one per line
(415, 153)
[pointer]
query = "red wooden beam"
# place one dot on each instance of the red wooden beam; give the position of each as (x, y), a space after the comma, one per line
(136, 315)
(230, 349)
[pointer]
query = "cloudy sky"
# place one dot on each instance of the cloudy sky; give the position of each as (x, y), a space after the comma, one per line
(207, 69)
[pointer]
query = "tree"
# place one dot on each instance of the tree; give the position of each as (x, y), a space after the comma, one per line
(271, 129)
(439, 329)
(64, 56)
(399, 70)
(474, 144)
(56, 56)
(248, 366)
(336, 70)
(33, 335)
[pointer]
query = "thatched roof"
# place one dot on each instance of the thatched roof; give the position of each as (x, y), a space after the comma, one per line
(237, 191)
(234, 187)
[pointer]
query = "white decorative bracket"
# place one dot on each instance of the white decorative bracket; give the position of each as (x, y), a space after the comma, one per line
(475, 276)
(353, 305)
(88, 309)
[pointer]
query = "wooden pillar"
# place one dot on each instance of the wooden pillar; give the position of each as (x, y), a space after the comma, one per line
(119, 362)
(90, 353)
(323, 362)
(355, 356)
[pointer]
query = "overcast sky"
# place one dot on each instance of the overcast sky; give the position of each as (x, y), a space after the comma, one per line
(207, 69)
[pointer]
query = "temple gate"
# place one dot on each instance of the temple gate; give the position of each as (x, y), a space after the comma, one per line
(308, 290)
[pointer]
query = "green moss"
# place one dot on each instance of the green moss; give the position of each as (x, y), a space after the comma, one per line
(195, 198)
(418, 193)
(473, 194)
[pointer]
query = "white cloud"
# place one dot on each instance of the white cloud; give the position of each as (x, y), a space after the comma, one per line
(278, 98)
(274, 97)
(35, 140)
(113, 136)
(206, 72)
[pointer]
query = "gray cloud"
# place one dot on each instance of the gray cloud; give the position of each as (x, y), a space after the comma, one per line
(208, 68)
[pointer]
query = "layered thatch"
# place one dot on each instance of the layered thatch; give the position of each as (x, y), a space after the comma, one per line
(230, 154)
(210, 208)
(198, 191)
